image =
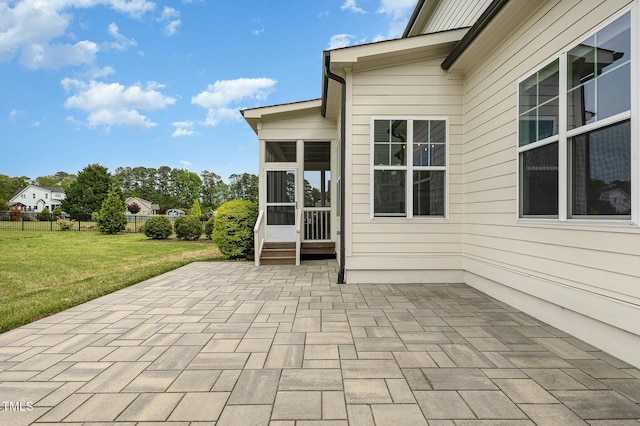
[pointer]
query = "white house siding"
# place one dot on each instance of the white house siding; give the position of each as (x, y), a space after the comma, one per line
(423, 249)
(451, 14)
(584, 279)
(36, 198)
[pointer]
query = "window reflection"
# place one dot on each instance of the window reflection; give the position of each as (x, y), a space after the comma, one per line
(599, 70)
(601, 171)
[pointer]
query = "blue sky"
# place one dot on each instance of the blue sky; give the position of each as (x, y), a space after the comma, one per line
(152, 83)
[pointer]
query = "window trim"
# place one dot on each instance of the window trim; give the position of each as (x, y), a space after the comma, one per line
(564, 134)
(409, 168)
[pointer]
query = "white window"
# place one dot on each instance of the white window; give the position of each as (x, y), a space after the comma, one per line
(409, 169)
(574, 130)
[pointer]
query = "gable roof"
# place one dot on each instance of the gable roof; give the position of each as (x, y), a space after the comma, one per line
(47, 188)
(254, 115)
(145, 203)
(381, 54)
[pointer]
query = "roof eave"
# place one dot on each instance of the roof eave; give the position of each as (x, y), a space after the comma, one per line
(348, 56)
(254, 115)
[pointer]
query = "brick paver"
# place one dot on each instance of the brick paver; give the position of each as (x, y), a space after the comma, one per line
(232, 344)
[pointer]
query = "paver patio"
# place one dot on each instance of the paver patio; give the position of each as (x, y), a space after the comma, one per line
(227, 343)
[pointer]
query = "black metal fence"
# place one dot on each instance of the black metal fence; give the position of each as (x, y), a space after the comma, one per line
(29, 221)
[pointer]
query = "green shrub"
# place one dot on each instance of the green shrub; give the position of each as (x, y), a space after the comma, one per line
(233, 228)
(57, 212)
(187, 227)
(111, 218)
(208, 227)
(158, 227)
(195, 209)
(44, 215)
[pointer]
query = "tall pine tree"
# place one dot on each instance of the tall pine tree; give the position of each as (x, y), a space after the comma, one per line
(86, 194)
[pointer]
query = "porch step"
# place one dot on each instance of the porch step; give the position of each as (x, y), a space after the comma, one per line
(318, 248)
(278, 254)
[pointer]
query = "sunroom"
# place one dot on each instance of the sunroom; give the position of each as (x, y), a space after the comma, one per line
(297, 175)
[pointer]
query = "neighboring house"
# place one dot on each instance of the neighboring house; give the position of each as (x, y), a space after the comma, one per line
(36, 198)
(617, 199)
(147, 208)
(478, 155)
(175, 212)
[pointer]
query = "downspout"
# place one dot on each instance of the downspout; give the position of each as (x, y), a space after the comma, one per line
(343, 115)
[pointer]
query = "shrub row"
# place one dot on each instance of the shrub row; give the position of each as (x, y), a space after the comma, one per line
(231, 229)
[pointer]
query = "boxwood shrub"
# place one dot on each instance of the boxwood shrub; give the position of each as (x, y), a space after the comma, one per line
(187, 227)
(233, 228)
(158, 227)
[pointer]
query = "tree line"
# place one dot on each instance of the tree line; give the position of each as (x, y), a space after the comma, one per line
(168, 187)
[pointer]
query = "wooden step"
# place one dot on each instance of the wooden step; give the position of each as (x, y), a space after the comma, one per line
(318, 247)
(278, 260)
(278, 254)
(290, 246)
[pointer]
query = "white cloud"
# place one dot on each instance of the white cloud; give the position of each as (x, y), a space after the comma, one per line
(134, 8)
(186, 163)
(260, 28)
(30, 29)
(172, 27)
(55, 56)
(398, 12)
(169, 13)
(112, 104)
(184, 128)
(171, 18)
(14, 114)
(121, 42)
(344, 40)
(352, 6)
(222, 98)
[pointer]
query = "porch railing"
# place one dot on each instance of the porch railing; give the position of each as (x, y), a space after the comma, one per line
(258, 237)
(316, 224)
(298, 236)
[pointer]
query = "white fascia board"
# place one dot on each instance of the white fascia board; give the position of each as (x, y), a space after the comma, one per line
(295, 107)
(392, 48)
(255, 115)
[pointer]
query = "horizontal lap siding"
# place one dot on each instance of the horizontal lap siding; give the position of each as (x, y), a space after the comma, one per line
(308, 127)
(408, 90)
(600, 259)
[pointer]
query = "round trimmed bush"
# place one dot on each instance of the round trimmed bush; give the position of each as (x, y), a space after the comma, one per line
(158, 227)
(187, 227)
(233, 228)
(208, 227)
(44, 215)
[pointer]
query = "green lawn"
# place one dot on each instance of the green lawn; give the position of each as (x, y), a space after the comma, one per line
(42, 273)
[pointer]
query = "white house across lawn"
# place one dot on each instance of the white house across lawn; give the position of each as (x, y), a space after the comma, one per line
(36, 198)
(496, 144)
